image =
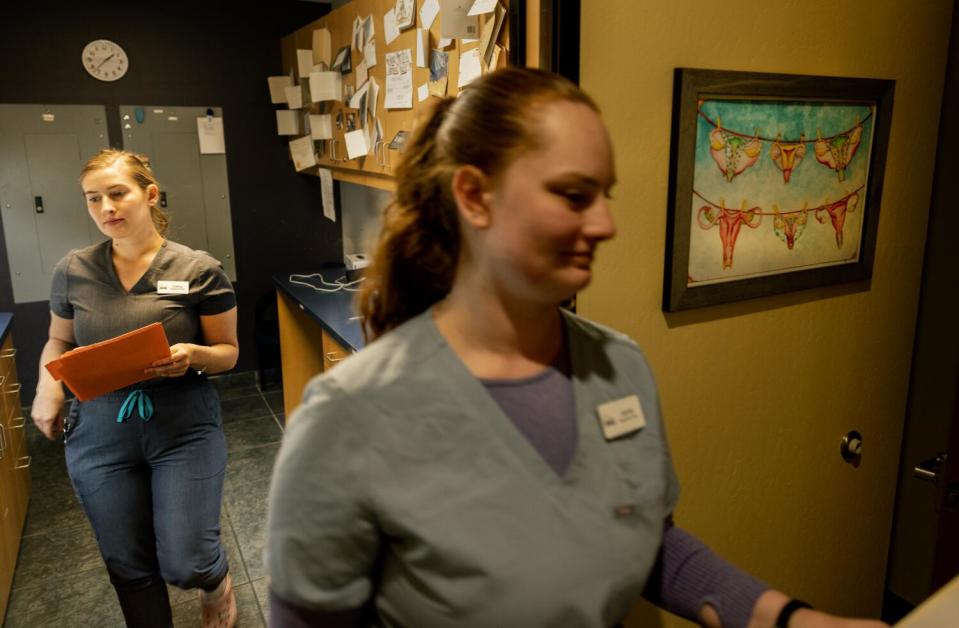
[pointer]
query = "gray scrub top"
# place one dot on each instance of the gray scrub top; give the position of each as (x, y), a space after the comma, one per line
(402, 479)
(86, 288)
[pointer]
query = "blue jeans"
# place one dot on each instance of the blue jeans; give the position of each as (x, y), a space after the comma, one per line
(152, 491)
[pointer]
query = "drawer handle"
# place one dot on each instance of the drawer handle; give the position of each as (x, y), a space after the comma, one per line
(19, 425)
(3, 441)
(330, 357)
(23, 465)
(8, 353)
(2, 379)
(13, 389)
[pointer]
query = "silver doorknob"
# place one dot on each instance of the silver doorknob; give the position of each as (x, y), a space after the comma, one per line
(851, 446)
(928, 470)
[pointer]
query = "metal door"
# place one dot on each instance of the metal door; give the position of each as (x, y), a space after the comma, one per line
(194, 186)
(42, 149)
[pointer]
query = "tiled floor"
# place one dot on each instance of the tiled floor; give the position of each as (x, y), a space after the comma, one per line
(60, 579)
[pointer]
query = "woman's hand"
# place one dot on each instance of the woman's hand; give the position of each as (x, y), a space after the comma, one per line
(181, 358)
(46, 414)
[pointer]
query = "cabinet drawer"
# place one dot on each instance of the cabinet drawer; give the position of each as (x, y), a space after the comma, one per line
(333, 352)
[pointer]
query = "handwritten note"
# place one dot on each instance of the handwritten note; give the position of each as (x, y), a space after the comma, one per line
(326, 188)
(303, 154)
(470, 69)
(399, 79)
(483, 6)
(210, 132)
(428, 13)
(390, 30)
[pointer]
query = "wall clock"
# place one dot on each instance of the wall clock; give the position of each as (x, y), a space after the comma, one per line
(105, 60)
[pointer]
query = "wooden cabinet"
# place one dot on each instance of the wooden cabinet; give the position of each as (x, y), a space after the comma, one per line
(14, 469)
(306, 350)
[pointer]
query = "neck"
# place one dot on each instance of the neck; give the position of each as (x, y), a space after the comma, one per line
(496, 336)
(134, 248)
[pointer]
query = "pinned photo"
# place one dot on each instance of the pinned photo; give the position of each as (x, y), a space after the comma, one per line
(398, 140)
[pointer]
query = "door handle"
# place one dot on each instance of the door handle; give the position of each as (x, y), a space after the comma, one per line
(928, 470)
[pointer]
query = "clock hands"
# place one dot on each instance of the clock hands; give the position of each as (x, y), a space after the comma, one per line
(105, 60)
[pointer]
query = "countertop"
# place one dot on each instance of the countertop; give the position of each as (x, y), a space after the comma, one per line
(334, 311)
(6, 321)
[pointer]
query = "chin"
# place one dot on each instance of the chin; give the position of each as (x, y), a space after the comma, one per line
(570, 285)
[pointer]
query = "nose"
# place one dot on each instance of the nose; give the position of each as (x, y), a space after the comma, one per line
(106, 205)
(598, 221)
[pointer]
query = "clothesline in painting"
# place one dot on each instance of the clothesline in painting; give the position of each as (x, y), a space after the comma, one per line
(802, 136)
(734, 152)
(758, 210)
(788, 226)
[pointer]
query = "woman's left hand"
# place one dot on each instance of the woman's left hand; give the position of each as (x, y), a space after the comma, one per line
(181, 357)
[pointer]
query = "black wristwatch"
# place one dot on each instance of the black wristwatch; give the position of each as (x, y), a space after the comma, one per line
(782, 621)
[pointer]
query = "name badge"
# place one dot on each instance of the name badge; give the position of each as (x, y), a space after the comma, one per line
(621, 417)
(173, 287)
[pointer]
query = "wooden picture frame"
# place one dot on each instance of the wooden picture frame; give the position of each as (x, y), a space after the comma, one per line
(775, 183)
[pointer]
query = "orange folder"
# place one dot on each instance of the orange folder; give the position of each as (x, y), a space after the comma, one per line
(109, 365)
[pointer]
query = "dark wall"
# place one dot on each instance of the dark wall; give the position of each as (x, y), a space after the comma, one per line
(181, 54)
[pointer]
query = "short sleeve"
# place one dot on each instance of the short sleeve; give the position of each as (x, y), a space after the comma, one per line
(60, 288)
(322, 540)
(215, 290)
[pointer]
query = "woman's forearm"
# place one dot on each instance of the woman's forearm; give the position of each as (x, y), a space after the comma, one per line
(214, 358)
(46, 385)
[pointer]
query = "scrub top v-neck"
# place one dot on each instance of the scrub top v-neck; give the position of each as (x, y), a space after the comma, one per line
(401, 479)
(86, 289)
(144, 278)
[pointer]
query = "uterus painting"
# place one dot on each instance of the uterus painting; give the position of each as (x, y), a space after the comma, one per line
(751, 162)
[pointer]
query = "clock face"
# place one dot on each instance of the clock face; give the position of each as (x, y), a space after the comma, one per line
(105, 60)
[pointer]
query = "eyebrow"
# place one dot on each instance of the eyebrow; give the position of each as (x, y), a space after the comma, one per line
(574, 177)
(115, 185)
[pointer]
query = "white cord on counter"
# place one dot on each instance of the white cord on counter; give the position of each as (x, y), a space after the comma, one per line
(335, 286)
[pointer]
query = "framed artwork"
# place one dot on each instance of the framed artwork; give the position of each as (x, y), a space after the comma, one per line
(775, 183)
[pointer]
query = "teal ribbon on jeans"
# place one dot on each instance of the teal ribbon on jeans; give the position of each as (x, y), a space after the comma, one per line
(140, 400)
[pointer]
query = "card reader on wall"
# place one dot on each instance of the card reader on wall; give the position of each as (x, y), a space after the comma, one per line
(355, 261)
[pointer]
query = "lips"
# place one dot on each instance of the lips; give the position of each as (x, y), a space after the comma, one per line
(579, 257)
(113, 222)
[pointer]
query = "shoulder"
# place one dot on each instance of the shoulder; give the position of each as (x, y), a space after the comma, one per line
(599, 343)
(87, 255)
(586, 329)
(200, 258)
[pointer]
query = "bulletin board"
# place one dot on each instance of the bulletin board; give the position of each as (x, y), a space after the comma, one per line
(376, 169)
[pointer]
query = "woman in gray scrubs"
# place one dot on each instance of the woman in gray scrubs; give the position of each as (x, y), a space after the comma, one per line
(145, 461)
(490, 459)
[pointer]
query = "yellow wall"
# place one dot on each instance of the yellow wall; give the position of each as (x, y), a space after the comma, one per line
(757, 394)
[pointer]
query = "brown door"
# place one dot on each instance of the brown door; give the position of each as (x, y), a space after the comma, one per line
(924, 552)
(946, 562)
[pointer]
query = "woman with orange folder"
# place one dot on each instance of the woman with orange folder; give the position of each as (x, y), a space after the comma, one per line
(146, 461)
